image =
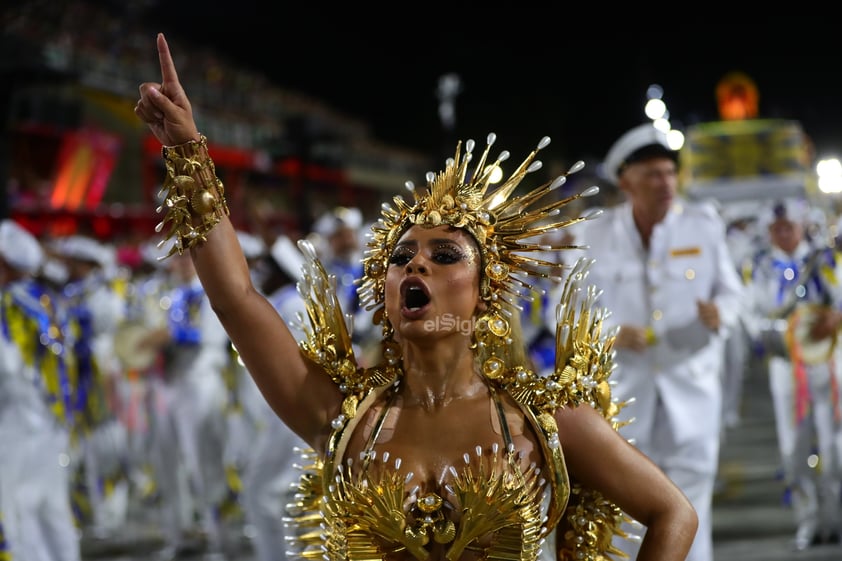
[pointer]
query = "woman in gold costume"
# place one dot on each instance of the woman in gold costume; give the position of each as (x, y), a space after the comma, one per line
(451, 448)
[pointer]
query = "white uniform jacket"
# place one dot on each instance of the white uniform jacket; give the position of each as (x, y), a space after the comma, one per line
(688, 261)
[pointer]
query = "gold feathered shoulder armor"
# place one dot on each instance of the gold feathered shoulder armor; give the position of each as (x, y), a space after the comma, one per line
(584, 362)
(328, 331)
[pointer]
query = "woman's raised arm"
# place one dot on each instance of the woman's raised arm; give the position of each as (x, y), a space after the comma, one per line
(297, 389)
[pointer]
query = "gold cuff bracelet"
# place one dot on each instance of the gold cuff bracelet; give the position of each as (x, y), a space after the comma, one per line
(194, 198)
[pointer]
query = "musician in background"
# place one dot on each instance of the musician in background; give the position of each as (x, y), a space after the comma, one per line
(36, 520)
(189, 432)
(795, 299)
(147, 302)
(94, 309)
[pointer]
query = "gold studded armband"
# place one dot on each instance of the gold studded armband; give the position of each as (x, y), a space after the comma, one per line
(194, 198)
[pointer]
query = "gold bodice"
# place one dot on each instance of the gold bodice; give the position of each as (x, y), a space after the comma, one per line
(491, 505)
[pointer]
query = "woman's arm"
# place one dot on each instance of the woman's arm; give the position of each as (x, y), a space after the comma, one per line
(599, 458)
(299, 391)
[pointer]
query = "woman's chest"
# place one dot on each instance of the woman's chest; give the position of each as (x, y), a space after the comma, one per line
(431, 446)
(439, 483)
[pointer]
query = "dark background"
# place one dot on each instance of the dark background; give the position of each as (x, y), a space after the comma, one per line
(575, 72)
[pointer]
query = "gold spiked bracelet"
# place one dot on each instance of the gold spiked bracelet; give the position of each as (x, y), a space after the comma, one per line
(194, 198)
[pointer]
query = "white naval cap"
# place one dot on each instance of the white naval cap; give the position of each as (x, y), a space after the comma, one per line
(54, 271)
(83, 248)
(329, 222)
(639, 143)
(288, 257)
(252, 246)
(19, 248)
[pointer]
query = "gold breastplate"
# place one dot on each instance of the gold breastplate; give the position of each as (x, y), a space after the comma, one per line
(490, 506)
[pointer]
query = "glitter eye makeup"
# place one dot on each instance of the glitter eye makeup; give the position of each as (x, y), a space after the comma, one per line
(448, 253)
(402, 255)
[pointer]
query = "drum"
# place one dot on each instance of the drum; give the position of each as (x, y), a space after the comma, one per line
(127, 346)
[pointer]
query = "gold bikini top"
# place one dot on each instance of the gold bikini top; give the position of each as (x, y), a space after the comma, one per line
(367, 513)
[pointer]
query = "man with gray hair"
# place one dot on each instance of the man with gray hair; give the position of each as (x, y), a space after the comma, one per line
(668, 280)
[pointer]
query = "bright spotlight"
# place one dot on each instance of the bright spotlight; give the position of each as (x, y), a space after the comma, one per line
(662, 125)
(655, 109)
(675, 138)
(829, 172)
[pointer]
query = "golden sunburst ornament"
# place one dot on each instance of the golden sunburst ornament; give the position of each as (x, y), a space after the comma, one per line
(506, 228)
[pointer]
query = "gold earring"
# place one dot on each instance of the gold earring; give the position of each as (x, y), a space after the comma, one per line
(391, 349)
(490, 337)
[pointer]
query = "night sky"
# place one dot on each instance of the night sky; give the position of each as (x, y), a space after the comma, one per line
(578, 73)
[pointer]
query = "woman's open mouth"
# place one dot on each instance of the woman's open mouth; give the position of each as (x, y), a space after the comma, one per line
(414, 297)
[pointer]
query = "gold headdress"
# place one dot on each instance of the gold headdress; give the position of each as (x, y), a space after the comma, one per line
(504, 227)
(507, 230)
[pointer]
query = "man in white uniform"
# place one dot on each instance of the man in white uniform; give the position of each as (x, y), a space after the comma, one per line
(794, 283)
(95, 309)
(35, 411)
(669, 282)
(188, 432)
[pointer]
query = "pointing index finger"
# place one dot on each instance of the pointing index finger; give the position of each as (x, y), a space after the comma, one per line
(168, 73)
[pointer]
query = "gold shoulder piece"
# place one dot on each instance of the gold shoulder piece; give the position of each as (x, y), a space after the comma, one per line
(584, 354)
(584, 362)
(584, 358)
(327, 334)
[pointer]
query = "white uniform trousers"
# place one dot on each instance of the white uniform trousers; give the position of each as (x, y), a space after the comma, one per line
(269, 475)
(692, 466)
(35, 494)
(815, 491)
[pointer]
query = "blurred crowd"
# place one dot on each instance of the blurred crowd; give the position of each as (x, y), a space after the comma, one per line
(107, 49)
(114, 363)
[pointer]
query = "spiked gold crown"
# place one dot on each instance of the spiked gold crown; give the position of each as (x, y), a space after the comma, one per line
(507, 228)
